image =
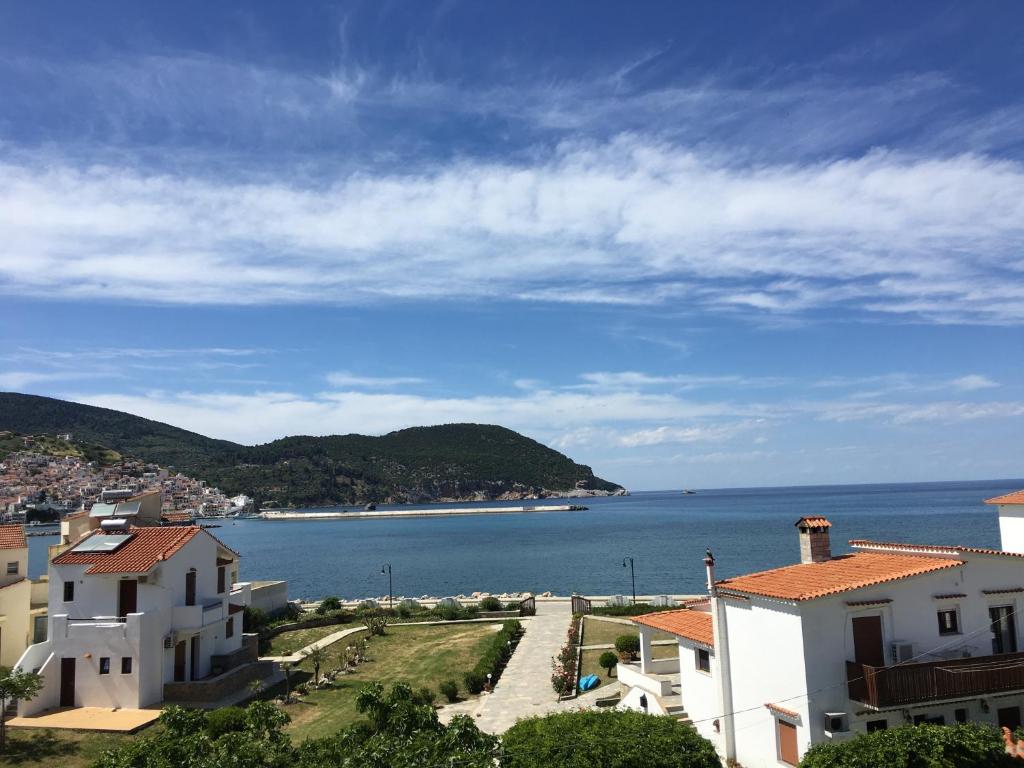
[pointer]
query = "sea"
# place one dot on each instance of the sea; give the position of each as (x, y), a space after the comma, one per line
(666, 533)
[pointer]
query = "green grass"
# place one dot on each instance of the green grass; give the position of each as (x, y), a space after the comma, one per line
(589, 666)
(32, 747)
(418, 655)
(597, 632)
(292, 642)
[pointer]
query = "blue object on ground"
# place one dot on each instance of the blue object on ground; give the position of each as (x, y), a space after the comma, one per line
(589, 682)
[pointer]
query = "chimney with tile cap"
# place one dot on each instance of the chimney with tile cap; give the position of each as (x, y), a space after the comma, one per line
(814, 541)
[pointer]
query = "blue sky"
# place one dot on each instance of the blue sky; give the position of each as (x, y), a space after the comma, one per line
(689, 244)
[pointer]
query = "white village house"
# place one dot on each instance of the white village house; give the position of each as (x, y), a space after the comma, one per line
(139, 614)
(772, 663)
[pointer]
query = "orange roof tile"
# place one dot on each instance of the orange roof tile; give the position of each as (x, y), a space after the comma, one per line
(944, 548)
(146, 548)
(1017, 497)
(806, 581)
(12, 537)
(693, 625)
(783, 711)
(814, 521)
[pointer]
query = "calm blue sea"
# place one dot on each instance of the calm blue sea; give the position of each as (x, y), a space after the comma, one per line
(665, 532)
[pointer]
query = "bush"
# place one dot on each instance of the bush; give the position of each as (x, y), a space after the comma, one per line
(608, 661)
(490, 604)
(291, 612)
(628, 645)
(424, 696)
(376, 625)
(450, 690)
(604, 739)
(631, 610)
(330, 603)
(970, 745)
(474, 681)
(225, 720)
(254, 619)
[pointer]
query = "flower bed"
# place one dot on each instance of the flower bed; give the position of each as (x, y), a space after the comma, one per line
(566, 666)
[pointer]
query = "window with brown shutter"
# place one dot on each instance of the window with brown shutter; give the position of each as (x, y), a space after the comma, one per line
(788, 753)
(220, 579)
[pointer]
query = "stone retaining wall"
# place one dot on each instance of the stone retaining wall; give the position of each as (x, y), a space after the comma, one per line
(216, 688)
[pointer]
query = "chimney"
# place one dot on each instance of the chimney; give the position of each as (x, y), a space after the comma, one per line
(814, 542)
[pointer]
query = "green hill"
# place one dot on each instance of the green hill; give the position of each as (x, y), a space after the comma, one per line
(451, 461)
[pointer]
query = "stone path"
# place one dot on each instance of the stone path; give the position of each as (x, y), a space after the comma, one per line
(525, 686)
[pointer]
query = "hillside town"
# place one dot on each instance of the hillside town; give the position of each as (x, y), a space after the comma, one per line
(41, 486)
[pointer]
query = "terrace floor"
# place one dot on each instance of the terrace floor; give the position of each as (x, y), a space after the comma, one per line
(89, 719)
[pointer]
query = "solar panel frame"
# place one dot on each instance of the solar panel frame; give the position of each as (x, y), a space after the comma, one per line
(102, 543)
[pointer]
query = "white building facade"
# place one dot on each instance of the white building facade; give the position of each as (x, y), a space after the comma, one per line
(132, 610)
(890, 634)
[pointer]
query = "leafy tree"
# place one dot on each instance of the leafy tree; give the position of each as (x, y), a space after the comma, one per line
(15, 684)
(607, 739)
(970, 745)
(316, 656)
(608, 661)
(254, 619)
(628, 645)
(225, 720)
(330, 603)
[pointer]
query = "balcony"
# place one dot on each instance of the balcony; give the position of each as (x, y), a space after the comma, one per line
(197, 616)
(882, 687)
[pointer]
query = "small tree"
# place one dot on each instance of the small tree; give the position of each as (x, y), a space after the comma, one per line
(490, 603)
(330, 603)
(608, 661)
(15, 684)
(628, 645)
(969, 745)
(316, 656)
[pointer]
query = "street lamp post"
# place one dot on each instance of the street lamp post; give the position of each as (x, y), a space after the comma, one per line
(386, 568)
(632, 575)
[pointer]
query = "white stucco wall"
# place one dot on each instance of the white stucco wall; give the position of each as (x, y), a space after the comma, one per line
(1011, 527)
(698, 690)
(15, 621)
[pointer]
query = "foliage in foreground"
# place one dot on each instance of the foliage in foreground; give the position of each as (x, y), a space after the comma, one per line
(971, 745)
(608, 739)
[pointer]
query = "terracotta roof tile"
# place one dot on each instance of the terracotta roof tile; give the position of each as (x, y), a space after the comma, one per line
(814, 521)
(146, 548)
(693, 625)
(806, 581)
(12, 537)
(929, 548)
(1017, 497)
(783, 711)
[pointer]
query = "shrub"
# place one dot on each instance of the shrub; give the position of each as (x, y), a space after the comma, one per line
(608, 661)
(254, 619)
(446, 612)
(490, 604)
(608, 738)
(474, 681)
(330, 603)
(450, 690)
(628, 645)
(376, 625)
(563, 676)
(631, 610)
(291, 612)
(225, 720)
(970, 745)
(424, 696)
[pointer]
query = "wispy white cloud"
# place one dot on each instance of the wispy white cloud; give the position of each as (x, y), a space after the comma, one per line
(343, 379)
(623, 222)
(973, 382)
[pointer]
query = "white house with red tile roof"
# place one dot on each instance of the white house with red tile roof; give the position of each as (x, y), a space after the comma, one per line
(135, 609)
(889, 634)
(15, 594)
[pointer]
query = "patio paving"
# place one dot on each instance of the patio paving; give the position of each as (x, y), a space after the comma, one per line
(89, 719)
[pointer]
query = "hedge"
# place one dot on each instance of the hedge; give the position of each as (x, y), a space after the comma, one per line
(495, 657)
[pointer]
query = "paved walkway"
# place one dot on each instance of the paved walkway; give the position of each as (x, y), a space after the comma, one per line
(525, 689)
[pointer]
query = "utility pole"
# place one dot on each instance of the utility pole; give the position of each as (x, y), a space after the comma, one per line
(386, 568)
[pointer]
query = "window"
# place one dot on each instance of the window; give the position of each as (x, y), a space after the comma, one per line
(936, 720)
(69, 591)
(948, 624)
(960, 715)
(786, 733)
(702, 660)
(12, 568)
(877, 725)
(229, 627)
(104, 665)
(126, 665)
(220, 579)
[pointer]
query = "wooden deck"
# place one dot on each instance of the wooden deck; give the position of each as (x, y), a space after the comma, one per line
(89, 719)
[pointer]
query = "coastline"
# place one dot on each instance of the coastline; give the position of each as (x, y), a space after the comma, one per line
(274, 514)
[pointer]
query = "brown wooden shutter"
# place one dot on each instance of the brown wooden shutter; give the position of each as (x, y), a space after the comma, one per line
(787, 743)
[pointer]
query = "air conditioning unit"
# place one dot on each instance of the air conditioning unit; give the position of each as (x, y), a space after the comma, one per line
(144, 579)
(902, 651)
(168, 641)
(836, 722)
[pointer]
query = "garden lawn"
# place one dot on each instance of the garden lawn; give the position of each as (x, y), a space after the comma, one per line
(419, 655)
(588, 663)
(297, 639)
(597, 632)
(44, 747)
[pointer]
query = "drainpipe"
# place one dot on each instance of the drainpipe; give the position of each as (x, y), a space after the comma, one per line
(723, 674)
